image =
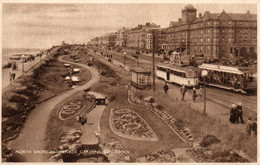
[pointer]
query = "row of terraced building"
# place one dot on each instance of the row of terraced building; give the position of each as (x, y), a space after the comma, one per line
(214, 35)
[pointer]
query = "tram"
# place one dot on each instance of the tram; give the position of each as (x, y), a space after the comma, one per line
(178, 74)
(239, 79)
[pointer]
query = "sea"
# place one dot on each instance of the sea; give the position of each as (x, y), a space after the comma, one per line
(7, 52)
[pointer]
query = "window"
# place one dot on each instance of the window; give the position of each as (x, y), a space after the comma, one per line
(223, 30)
(208, 39)
(223, 39)
(142, 79)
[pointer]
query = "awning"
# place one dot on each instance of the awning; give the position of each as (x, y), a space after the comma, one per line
(75, 79)
(76, 70)
(221, 68)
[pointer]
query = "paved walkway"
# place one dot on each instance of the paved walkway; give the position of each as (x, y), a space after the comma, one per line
(27, 66)
(88, 137)
(32, 136)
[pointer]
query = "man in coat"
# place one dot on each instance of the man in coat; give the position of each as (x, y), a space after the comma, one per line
(240, 112)
(183, 91)
(232, 117)
(165, 88)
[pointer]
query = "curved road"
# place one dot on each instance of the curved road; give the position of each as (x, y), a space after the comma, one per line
(32, 136)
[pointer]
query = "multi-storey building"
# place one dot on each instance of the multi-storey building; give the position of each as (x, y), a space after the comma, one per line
(121, 37)
(141, 37)
(213, 34)
(109, 39)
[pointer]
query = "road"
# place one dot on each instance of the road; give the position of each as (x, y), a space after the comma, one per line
(32, 136)
(219, 96)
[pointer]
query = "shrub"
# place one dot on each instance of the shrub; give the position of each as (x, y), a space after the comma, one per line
(159, 107)
(14, 97)
(179, 124)
(10, 108)
(208, 140)
(152, 100)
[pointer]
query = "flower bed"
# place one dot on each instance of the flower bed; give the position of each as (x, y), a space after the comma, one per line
(71, 109)
(167, 118)
(129, 124)
(159, 156)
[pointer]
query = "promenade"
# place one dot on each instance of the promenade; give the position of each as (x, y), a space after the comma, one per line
(27, 67)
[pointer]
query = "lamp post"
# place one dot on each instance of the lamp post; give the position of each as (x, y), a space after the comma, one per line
(124, 58)
(204, 73)
(23, 63)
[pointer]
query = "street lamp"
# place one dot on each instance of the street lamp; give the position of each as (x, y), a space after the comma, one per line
(124, 58)
(23, 57)
(204, 73)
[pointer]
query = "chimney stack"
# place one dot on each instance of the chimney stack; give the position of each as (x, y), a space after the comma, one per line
(179, 20)
(200, 15)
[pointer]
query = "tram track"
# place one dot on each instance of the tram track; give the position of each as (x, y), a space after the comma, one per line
(226, 98)
(225, 102)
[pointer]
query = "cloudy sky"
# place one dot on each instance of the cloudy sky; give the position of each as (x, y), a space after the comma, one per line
(36, 25)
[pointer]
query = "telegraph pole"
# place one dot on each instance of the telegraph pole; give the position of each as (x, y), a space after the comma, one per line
(153, 63)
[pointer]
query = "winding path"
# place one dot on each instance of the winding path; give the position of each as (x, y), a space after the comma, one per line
(32, 136)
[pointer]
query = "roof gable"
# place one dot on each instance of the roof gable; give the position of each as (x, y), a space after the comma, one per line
(224, 16)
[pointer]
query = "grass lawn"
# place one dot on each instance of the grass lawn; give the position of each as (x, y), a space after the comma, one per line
(231, 138)
(54, 75)
(56, 127)
(167, 139)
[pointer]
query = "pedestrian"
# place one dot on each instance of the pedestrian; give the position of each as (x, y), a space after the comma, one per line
(254, 126)
(82, 120)
(240, 112)
(249, 126)
(232, 117)
(194, 94)
(14, 67)
(13, 75)
(200, 91)
(10, 76)
(165, 88)
(183, 91)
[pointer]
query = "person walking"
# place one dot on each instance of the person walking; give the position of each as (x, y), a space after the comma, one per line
(232, 117)
(165, 88)
(240, 112)
(200, 91)
(13, 75)
(249, 126)
(183, 91)
(10, 76)
(254, 126)
(194, 94)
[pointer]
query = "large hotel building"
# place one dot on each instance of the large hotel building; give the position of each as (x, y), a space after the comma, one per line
(214, 35)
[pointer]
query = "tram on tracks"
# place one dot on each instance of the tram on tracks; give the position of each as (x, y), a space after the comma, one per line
(178, 74)
(239, 79)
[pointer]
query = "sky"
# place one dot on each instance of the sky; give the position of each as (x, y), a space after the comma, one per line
(42, 25)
